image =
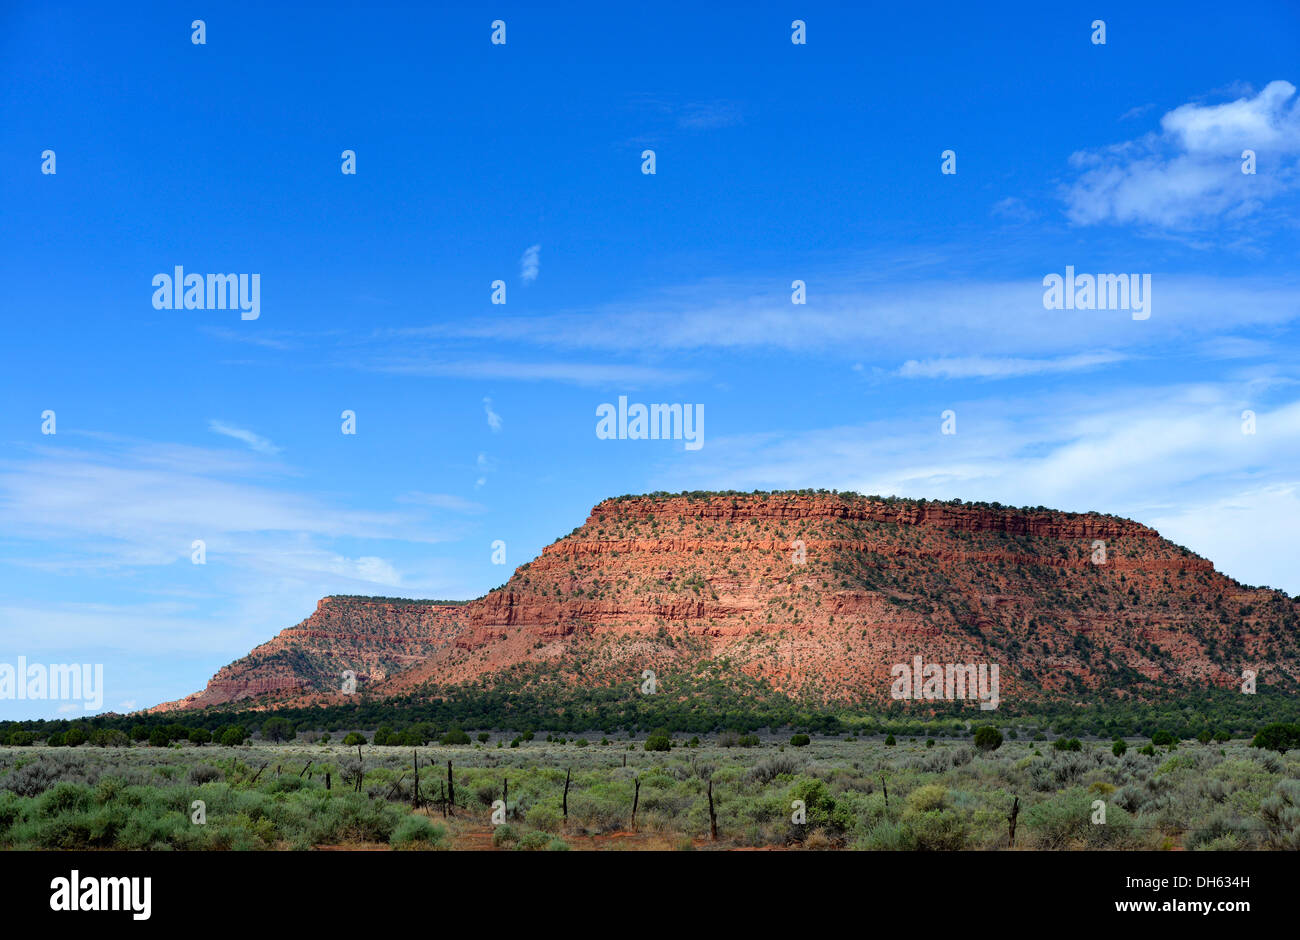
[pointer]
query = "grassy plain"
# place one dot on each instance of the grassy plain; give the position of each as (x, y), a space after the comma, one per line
(855, 794)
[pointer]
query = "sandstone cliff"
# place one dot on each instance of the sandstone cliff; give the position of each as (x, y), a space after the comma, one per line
(817, 593)
(372, 638)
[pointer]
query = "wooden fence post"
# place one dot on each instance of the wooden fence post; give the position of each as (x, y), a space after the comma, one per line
(1015, 811)
(566, 795)
(415, 794)
(713, 818)
(636, 798)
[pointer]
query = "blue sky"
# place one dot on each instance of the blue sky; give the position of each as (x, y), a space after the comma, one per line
(522, 162)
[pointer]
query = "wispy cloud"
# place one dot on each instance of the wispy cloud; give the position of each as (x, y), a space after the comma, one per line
(1174, 456)
(985, 367)
(127, 515)
(270, 339)
(442, 501)
(1012, 209)
(133, 505)
(1189, 173)
(708, 115)
(254, 441)
(485, 465)
(530, 265)
(577, 373)
(267, 341)
(493, 419)
(930, 317)
(662, 113)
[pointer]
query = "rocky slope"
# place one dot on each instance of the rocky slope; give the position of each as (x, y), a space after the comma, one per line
(371, 637)
(817, 593)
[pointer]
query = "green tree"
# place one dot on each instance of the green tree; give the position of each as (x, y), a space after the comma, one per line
(1279, 736)
(277, 729)
(233, 736)
(988, 738)
(659, 740)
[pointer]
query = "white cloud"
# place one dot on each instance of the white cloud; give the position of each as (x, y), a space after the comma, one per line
(1263, 122)
(1166, 456)
(986, 367)
(576, 373)
(368, 568)
(75, 629)
(493, 419)
(135, 506)
(1013, 209)
(709, 115)
(1250, 533)
(530, 265)
(156, 512)
(485, 465)
(936, 318)
(1189, 173)
(266, 340)
(122, 520)
(255, 441)
(442, 501)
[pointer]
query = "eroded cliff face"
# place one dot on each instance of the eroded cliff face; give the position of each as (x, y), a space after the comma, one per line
(373, 638)
(820, 595)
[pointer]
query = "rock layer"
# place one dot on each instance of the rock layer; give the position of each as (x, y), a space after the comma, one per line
(372, 638)
(820, 594)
